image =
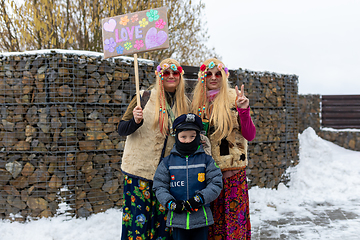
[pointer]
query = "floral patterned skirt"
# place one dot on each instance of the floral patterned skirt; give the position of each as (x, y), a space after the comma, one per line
(232, 218)
(144, 218)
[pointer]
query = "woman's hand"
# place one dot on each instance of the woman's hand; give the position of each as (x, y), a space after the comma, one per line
(138, 114)
(241, 100)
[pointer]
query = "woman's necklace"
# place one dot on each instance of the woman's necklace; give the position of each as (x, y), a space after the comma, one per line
(171, 115)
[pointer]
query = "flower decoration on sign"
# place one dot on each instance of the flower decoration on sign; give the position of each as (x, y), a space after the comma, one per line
(128, 45)
(134, 18)
(143, 22)
(119, 49)
(160, 24)
(110, 44)
(124, 20)
(138, 44)
(152, 15)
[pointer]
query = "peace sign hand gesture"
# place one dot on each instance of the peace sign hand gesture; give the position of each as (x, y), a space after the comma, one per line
(241, 100)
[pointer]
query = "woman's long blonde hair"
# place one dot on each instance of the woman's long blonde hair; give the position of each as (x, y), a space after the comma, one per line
(181, 103)
(219, 115)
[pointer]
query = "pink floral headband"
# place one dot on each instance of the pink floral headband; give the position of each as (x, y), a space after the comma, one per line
(211, 65)
(161, 69)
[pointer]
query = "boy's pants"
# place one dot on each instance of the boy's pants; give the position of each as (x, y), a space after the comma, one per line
(190, 234)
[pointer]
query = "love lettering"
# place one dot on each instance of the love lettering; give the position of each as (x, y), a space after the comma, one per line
(126, 33)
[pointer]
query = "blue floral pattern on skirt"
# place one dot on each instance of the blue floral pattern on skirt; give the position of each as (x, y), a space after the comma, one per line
(143, 216)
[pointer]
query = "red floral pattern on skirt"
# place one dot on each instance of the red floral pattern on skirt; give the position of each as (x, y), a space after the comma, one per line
(231, 210)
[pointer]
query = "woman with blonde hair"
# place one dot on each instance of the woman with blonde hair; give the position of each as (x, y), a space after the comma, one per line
(227, 112)
(148, 131)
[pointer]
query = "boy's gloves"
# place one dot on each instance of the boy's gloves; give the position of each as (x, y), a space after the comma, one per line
(176, 206)
(194, 203)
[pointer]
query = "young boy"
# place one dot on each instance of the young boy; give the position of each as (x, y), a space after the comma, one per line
(187, 180)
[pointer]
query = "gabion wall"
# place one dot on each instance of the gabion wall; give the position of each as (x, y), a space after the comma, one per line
(310, 109)
(274, 110)
(59, 142)
(60, 151)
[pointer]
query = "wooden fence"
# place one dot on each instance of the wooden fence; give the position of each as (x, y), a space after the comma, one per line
(340, 111)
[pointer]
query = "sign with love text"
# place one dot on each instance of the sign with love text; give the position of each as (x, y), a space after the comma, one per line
(135, 32)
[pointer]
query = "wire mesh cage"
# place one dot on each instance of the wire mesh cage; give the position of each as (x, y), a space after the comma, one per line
(60, 152)
(275, 113)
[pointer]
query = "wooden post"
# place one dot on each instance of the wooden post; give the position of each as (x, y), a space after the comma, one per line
(137, 79)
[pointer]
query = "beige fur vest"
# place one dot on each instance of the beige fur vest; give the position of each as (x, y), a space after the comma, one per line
(235, 145)
(143, 148)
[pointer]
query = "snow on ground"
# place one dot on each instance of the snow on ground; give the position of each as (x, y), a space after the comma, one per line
(326, 173)
(327, 176)
(102, 226)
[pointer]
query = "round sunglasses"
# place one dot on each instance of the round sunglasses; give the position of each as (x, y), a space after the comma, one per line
(174, 73)
(209, 74)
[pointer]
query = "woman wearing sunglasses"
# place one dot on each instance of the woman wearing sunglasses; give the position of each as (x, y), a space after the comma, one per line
(227, 112)
(147, 128)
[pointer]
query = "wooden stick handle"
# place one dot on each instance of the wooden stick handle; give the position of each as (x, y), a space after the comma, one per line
(137, 80)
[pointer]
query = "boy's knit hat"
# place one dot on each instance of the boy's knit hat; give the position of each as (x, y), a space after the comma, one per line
(188, 121)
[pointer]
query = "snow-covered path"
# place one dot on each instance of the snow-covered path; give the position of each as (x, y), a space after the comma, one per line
(321, 201)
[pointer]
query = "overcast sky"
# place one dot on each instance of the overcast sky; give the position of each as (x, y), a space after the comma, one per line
(318, 40)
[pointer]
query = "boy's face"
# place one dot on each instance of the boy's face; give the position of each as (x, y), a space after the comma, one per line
(187, 136)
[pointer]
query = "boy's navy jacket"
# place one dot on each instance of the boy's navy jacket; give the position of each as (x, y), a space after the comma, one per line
(182, 177)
